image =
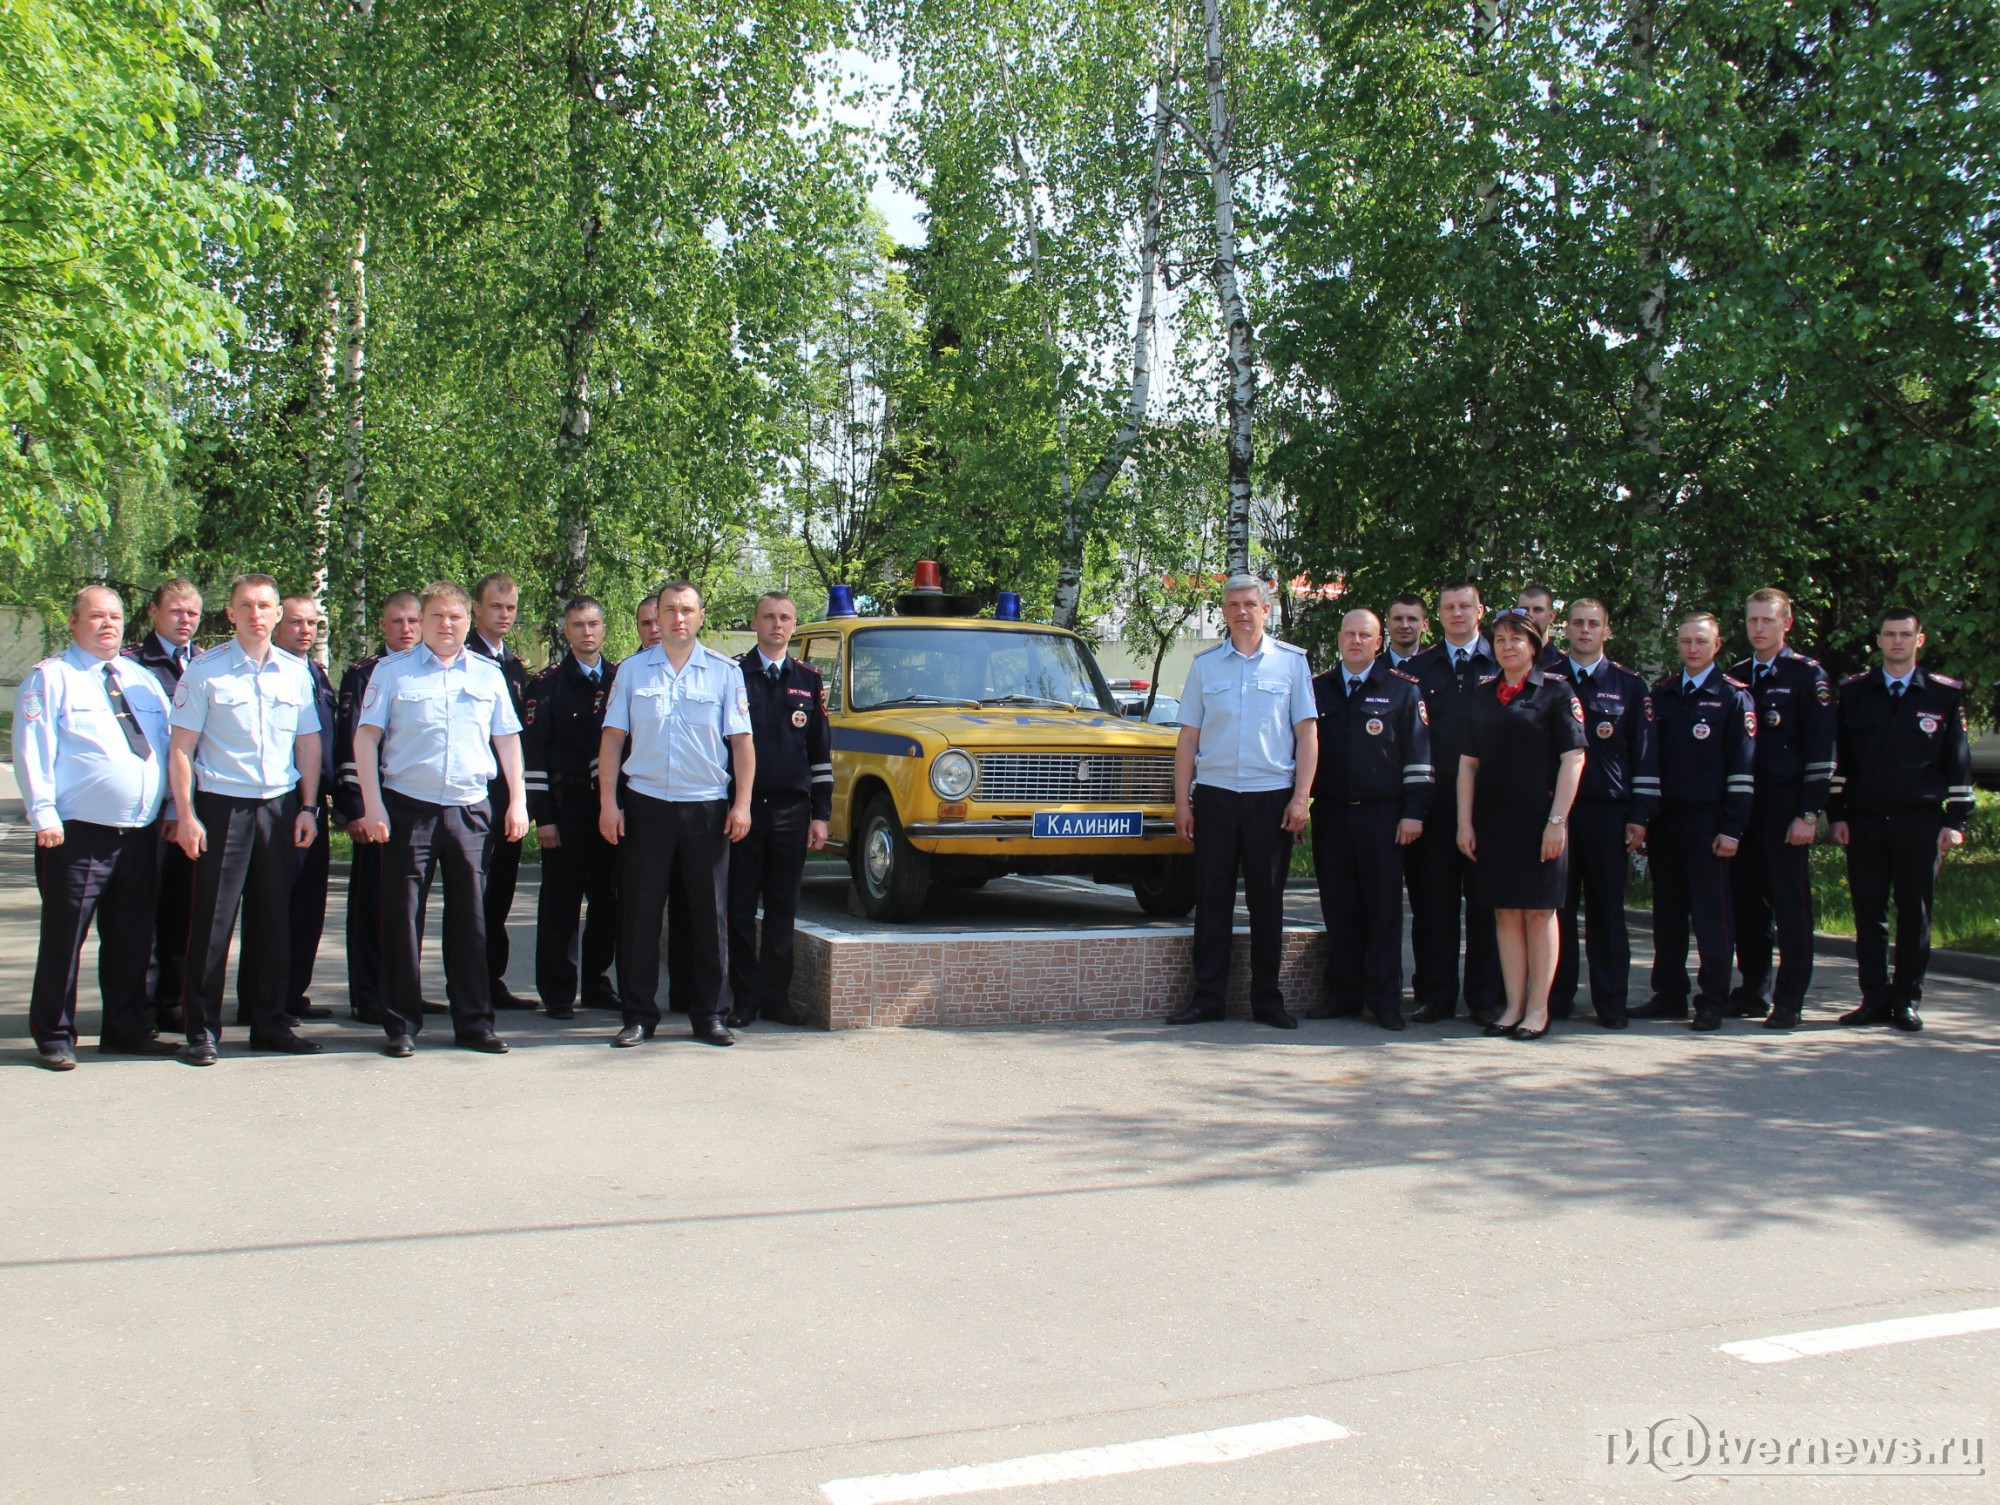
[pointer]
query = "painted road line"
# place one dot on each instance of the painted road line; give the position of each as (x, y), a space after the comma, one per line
(1783, 1350)
(1222, 1445)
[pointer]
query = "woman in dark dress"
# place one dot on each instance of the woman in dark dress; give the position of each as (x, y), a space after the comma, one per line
(1517, 778)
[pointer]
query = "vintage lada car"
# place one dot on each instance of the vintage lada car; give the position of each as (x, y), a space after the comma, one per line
(965, 747)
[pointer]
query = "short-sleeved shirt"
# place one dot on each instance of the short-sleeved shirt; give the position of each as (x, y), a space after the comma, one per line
(677, 723)
(73, 758)
(438, 722)
(249, 717)
(1246, 707)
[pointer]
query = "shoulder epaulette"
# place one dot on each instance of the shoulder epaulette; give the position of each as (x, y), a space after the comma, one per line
(1403, 675)
(1855, 679)
(1810, 663)
(1665, 681)
(1734, 683)
(1947, 681)
(1290, 647)
(1212, 648)
(1624, 669)
(548, 673)
(130, 650)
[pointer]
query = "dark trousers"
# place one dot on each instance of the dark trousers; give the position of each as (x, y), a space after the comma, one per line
(173, 884)
(1599, 867)
(364, 925)
(249, 864)
(424, 838)
(503, 873)
(682, 838)
(112, 876)
(1893, 855)
(309, 885)
(1440, 881)
(582, 868)
(1690, 886)
(1360, 870)
(1770, 883)
(680, 964)
(1239, 833)
(766, 866)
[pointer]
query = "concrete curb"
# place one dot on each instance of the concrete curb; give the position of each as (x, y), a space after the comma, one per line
(1970, 965)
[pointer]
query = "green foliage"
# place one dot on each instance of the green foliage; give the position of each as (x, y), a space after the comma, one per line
(107, 238)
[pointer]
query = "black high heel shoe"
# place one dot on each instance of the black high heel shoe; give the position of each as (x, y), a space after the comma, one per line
(1522, 1032)
(1497, 1030)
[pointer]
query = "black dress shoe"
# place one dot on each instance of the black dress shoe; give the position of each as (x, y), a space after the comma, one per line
(1904, 1016)
(713, 1032)
(199, 1053)
(1706, 1020)
(57, 1057)
(1389, 1020)
(560, 1011)
(1522, 1032)
(741, 1018)
(1748, 1006)
(364, 1014)
(505, 997)
(1662, 1007)
(307, 1009)
(287, 1044)
(1614, 1021)
(147, 1047)
(1434, 1013)
(400, 1047)
(1782, 1019)
(1194, 1013)
(1868, 1013)
(631, 1035)
(1277, 1019)
(484, 1041)
(1334, 1011)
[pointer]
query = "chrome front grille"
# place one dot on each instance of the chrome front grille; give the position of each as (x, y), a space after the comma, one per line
(1075, 779)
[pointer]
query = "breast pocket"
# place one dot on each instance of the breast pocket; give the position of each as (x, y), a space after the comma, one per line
(475, 708)
(652, 706)
(421, 705)
(282, 714)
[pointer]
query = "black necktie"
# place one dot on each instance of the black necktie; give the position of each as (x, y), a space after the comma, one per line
(774, 672)
(1763, 672)
(1583, 679)
(1896, 689)
(127, 723)
(1353, 684)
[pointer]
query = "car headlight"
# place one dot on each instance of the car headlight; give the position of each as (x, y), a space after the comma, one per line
(952, 774)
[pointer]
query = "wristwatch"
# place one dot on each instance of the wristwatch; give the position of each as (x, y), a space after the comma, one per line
(1557, 820)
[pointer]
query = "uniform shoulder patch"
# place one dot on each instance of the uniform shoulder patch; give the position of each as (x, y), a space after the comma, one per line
(742, 700)
(30, 705)
(1423, 711)
(1823, 691)
(1576, 709)
(371, 697)
(1750, 723)
(181, 692)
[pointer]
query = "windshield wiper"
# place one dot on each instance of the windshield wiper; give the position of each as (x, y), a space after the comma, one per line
(1028, 700)
(883, 705)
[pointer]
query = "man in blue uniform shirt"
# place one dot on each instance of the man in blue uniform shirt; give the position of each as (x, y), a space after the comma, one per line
(1771, 879)
(1614, 805)
(1708, 749)
(1901, 797)
(437, 726)
(90, 750)
(1243, 773)
(173, 617)
(245, 751)
(1371, 791)
(686, 715)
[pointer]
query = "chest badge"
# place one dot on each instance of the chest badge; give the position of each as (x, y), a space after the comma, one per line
(1701, 730)
(1773, 718)
(798, 718)
(1374, 726)
(1605, 729)
(1928, 725)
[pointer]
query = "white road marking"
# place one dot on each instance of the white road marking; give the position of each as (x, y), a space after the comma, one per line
(1789, 1346)
(1222, 1445)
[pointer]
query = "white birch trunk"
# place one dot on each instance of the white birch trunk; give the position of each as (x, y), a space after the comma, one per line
(1069, 580)
(354, 350)
(1240, 357)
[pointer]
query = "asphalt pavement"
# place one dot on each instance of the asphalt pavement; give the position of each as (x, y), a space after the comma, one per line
(1058, 1266)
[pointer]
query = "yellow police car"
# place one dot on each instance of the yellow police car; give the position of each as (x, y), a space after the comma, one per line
(967, 747)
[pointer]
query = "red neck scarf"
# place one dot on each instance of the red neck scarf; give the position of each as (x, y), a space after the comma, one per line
(1508, 692)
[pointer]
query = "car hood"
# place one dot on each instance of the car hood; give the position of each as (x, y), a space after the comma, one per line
(1019, 728)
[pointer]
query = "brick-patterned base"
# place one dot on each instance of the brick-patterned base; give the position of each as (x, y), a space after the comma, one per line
(848, 981)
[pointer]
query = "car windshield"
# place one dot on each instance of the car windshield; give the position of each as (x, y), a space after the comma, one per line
(973, 666)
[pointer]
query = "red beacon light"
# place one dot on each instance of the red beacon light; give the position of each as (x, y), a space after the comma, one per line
(927, 581)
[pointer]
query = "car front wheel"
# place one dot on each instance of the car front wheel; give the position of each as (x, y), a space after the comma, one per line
(893, 876)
